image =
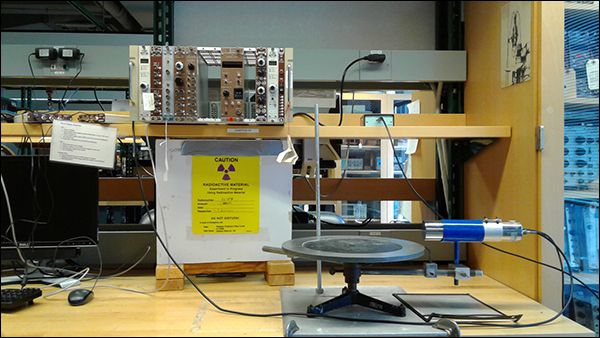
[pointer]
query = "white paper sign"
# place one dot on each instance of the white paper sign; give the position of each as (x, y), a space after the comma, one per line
(83, 143)
(591, 68)
(148, 100)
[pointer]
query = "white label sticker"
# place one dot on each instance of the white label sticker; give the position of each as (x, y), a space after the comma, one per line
(45, 52)
(591, 68)
(148, 100)
(412, 144)
(242, 130)
(67, 52)
(82, 143)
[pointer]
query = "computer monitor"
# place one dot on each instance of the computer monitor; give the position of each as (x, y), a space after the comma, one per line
(62, 198)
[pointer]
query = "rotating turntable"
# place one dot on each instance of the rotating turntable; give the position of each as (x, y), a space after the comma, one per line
(352, 251)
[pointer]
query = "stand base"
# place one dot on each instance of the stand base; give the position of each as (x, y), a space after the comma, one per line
(348, 298)
(351, 296)
(298, 299)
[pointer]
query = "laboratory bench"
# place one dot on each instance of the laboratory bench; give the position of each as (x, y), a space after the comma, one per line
(115, 312)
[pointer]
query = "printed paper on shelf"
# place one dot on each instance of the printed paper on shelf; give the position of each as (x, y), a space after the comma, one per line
(83, 143)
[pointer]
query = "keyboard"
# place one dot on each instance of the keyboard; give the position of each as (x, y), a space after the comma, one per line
(15, 298)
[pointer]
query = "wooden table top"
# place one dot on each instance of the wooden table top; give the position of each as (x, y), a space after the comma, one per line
(115, 312)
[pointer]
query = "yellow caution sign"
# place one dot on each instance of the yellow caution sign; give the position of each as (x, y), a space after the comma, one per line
(225, 194)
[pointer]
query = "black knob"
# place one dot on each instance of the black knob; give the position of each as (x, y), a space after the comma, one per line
(179, 81)
(226, 93)
(191, 66)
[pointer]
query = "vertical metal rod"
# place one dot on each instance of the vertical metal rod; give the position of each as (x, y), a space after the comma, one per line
(318, 195)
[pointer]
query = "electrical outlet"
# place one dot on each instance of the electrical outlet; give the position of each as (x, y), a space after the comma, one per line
(374, 120)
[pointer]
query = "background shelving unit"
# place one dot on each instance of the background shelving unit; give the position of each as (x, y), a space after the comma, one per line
(581, 166)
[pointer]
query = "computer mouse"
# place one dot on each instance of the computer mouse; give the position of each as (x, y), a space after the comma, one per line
(80, 296)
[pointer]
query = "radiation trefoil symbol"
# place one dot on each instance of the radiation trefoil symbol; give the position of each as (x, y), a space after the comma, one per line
(226, 172)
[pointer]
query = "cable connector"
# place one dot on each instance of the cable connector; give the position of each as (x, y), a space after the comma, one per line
(375, 58)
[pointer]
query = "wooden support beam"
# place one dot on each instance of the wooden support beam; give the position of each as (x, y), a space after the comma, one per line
(365, 189)
(224, 267)
(124, 189)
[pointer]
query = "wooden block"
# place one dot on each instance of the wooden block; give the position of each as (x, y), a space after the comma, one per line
(280, 280)
(280, 267)
(163, 269)
(171, 284)
(223, 267)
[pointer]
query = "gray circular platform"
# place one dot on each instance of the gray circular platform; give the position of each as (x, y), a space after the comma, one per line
(353, 249)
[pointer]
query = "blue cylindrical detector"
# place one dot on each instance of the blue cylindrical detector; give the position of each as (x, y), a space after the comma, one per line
(463, 230)
(458, 230)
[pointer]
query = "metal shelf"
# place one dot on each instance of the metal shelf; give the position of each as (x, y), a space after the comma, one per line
(581, 194)
(575, 6)
(582, 102)
(354, 147)
(362, 171)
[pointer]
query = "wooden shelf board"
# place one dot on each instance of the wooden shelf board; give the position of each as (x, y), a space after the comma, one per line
(405, 126)
(277, 132)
